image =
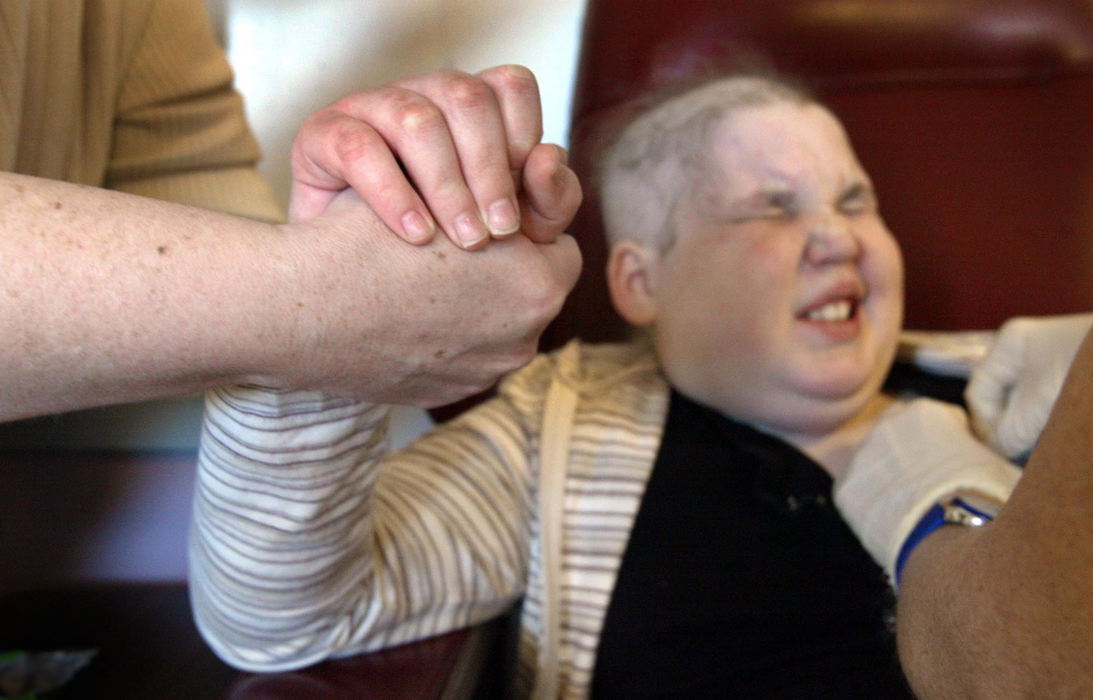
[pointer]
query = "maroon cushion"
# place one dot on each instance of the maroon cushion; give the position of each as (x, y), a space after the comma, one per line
(973, 117)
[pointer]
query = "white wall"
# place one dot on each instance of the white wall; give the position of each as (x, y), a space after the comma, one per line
(293, 57)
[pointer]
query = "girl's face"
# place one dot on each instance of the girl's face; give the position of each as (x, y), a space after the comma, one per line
(781, 300)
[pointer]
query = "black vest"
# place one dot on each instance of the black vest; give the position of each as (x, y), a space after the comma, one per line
(741, 580)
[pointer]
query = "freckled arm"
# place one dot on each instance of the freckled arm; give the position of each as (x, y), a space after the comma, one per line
(106, 297)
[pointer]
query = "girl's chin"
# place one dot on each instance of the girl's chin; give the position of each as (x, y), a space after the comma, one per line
(815, 412)
(841, 386)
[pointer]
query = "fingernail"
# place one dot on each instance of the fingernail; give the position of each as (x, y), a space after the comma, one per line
(417, 228)
(470, 230)
(503, 217)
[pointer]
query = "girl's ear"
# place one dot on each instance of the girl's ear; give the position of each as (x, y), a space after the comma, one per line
(629, 278)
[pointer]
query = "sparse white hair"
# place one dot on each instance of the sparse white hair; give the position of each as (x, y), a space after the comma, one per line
(663, 153)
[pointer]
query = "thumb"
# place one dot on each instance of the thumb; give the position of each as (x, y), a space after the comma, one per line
(551, 193)
(988, 392)
(564, 258)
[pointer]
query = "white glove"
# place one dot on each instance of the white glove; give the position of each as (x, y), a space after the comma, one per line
(918, 454)
(1013, 388)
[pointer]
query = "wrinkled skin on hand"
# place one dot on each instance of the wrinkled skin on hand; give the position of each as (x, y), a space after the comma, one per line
(419, 325)
(445, 151)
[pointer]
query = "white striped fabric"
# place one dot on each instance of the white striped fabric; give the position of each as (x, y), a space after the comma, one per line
(310, 541)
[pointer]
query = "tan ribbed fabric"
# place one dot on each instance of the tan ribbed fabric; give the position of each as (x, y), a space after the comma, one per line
(134, 95)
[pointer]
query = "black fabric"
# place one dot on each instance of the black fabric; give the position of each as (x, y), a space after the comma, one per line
(740, 579)
(912, 379)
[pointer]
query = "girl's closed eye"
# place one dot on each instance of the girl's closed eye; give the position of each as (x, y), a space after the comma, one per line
(859, 198)
(773, 205)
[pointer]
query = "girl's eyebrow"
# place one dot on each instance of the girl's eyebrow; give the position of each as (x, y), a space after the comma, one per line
(781, 197)
(857, 188)
(745, 205)
(766, 195)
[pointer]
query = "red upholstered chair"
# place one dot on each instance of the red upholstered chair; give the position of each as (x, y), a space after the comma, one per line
(974, 117)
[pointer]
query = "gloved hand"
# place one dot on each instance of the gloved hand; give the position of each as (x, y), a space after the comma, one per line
(918, 454)
(1013, 388)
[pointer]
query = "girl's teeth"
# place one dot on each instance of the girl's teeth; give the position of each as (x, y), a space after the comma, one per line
(835, 311)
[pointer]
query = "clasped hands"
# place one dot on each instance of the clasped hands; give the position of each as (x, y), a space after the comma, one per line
(429, 209)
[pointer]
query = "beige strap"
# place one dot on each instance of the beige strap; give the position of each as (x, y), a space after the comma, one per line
(561, 404)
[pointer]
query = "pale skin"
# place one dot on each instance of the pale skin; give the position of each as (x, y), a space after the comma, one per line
(780, 301)
(118, 298)
(1005, 612)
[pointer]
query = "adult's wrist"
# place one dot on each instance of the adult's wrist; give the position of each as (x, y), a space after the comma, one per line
(913, 460)
(961, 509)
(281, 314)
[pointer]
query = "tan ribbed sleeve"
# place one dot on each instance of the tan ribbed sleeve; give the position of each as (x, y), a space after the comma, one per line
(13, 39)
(306, 545)
(180, 131)
(135, 95)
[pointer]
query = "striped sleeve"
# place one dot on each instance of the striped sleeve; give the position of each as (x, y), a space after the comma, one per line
(309, 541)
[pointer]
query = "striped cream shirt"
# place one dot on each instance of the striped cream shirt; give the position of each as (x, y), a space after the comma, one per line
(310, 541)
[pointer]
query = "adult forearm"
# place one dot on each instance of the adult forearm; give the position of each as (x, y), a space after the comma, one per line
(958, 627)
(108, 298)
(1007, 612)
(997, 614)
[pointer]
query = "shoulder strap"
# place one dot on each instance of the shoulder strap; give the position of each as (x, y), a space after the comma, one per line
(561, 404)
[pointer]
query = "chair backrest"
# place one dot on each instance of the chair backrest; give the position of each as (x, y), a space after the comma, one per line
(974, 118)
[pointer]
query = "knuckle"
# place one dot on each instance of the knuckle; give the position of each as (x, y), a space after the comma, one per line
(467, 92)
(545, 297)
(519, 87)
(309, 125)
(391, 106)
(351, 103)
(353, 142)
(416, 117)
(313, 131)
(516, 79)
(364, 102)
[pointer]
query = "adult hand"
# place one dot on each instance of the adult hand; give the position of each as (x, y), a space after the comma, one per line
(1014, 387)
(447, 149)
(422, 325)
